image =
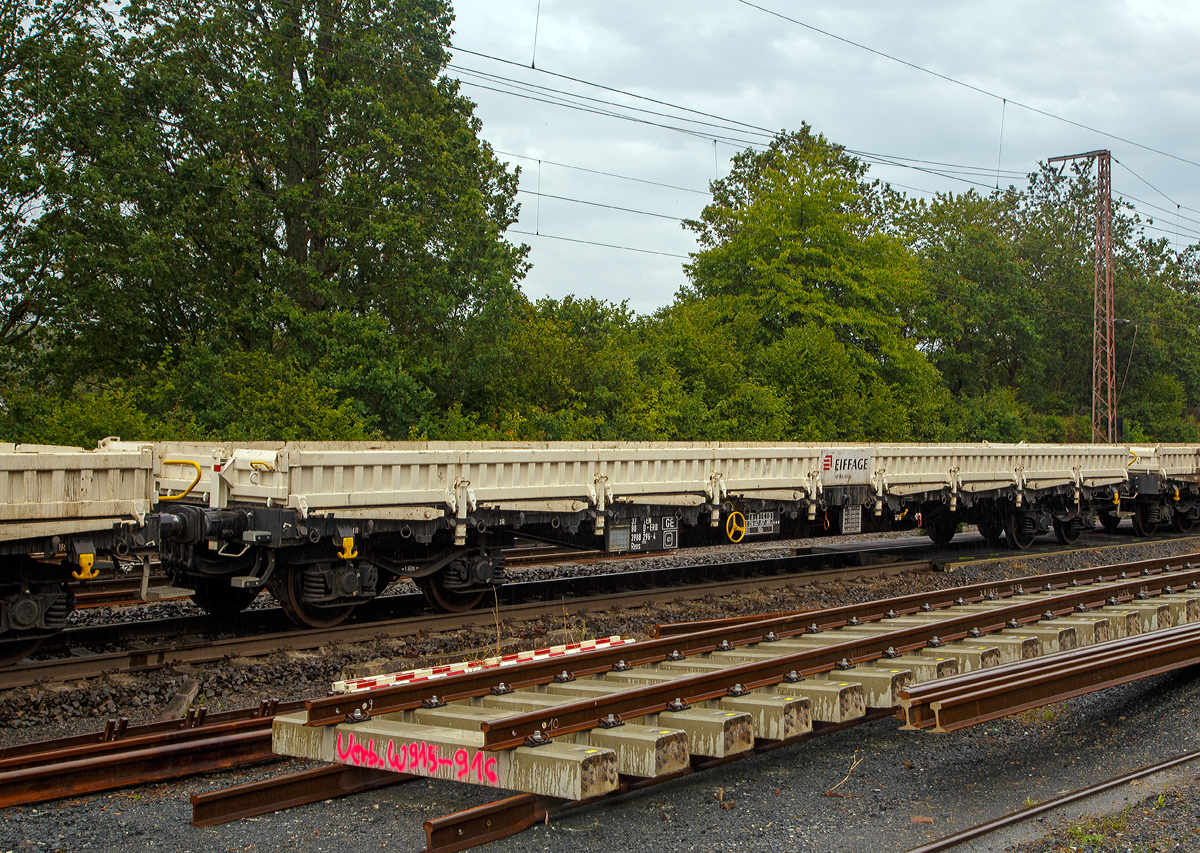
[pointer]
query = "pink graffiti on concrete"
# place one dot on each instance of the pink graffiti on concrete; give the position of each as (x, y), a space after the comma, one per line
(483, 769)
(418, 757)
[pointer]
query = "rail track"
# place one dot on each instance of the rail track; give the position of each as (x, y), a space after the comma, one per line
(982, 830)
(147, 644)
(151, 644)
(123, 756)
(776, 681)
(754, 671)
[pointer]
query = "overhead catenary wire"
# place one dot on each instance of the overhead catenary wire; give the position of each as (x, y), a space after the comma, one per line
(545, 90)
(601, 204)
(890, 161)
(178, 125)
(699, 134)
(537, 193)
(1035, 308)
(1143, 203)
(402, 214)
(898, 162)
(1151, 186)
(547, 93)
(554, 100)
(596, 243)
(966, 85)
(983, 170)
(660, 102)
(412, 216)
(880, 159)
(599, 172)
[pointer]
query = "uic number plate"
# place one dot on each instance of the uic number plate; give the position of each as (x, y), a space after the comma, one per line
(658, 533)
(762, 523)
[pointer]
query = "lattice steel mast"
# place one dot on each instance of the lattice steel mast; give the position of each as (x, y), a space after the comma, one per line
(1104, 392)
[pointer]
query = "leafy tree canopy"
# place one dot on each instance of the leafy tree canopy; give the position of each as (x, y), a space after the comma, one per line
(278, 220)
(228, 182)
(827, 295)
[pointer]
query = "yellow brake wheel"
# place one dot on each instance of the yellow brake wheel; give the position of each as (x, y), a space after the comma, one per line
(735, 527)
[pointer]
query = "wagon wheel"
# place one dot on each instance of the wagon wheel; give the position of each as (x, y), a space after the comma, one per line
(304, 613)
(1019, 531)
(16, 650)
(942, 528)
(1109, 521)
(446, 599)
(991, 529)
(1142, 527)
(1068, 532)
(1182, 522)
(221, 599)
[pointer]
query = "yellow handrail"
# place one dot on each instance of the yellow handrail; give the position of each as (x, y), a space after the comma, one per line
(191, 486)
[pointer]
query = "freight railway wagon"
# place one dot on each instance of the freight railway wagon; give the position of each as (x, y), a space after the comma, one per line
(325, 526)
(59, 508)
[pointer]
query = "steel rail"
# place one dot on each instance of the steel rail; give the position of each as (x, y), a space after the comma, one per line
(333, 709)
(136, 767)
(585, 714)
(904, 603)
(970, 685)
(104, 750)
(979, 697)
(487, 823)
(143, 659)
(979, 830)
(119, 729)
(284, 792)
(511, 816)
(122, 755)
(508, 817)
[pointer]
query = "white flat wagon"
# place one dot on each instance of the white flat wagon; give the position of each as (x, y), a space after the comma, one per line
(325, 525)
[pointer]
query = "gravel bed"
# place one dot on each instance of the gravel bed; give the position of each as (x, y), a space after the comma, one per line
(774, 801)
(1166, 819)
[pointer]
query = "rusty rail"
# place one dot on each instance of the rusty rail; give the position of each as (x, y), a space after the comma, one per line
(504, 818)
(123, 756)
(491, 822)
(512, 731)
(959, 701)
(949, 842)
(332, 710)
(137, 767)
(284, 792)
(907, 602)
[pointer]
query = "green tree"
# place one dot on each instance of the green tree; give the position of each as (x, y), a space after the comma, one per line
(798, 252)
(43, 46)
(299, 180)
(982, 333)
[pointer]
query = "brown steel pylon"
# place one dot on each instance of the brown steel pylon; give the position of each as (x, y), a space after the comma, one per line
(1104, 392)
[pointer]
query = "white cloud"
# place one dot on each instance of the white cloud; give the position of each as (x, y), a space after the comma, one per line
(1125, 68)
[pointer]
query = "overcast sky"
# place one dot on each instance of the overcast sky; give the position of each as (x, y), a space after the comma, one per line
(1124, 68)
